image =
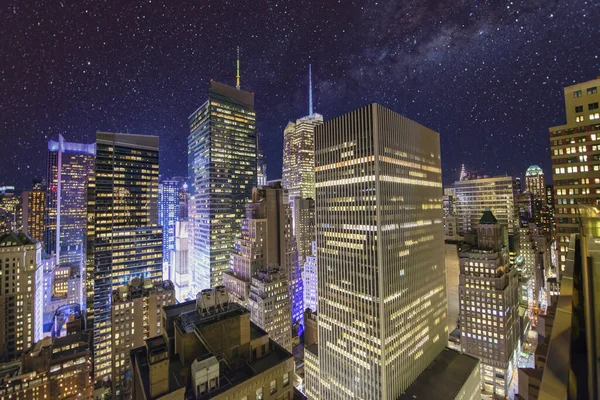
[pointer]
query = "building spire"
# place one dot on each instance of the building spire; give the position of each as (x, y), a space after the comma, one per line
(310, 100)
(237, 77)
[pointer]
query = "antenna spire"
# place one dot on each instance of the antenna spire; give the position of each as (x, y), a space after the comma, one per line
(237, 77)
(310, 100)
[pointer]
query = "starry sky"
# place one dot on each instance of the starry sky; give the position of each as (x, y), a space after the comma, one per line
(487, 75)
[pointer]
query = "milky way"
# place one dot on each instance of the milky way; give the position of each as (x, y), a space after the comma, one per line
(487, 75)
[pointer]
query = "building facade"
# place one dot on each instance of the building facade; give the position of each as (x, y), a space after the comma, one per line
(70, 166)
(222, 171)
(179, 271)
(534, 182)
(169, 199)
(11, 210)
(135, 317)
(124, 235)
(381, 276)
(575, 148)
(269, 305)
(310, 278)
(488, 290)
(21, 297)
(34, 210)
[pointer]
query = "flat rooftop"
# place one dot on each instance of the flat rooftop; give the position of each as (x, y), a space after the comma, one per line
(443, 378)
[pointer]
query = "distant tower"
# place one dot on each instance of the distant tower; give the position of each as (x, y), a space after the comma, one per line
(464, 175)
(535, 182)
(310, 102)
(237, 76)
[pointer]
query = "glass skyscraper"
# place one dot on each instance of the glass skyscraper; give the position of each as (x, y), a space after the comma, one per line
(381, 275)
(222, 166)
(127, 240)
(169, 199)
(70, 166)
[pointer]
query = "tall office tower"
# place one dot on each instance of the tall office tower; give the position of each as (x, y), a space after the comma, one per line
(34, 209)
(266, 241)
(489, 306)
(179, 271)
(11, 212)
(222, 171)
(310, 278)
(269, 305)
(135, 317)
(126, 240)
(498, 194)
(184, 199)
(381, 276)
(298, 152)
(169, 200)
(21, 297)
(525, 206)
(70, 166)
(576, 171)
(261, 166)
(534, 182)
(303, 212)
(528, 263)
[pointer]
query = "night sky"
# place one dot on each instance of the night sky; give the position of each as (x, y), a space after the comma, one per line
(487, 75)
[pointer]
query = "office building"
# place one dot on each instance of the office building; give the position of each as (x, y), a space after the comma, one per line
(34, 210)
(269, 305)
(381, 276)
(310, 279)
(222, 172)
(210, 349)
(16, 383)
(125, 238)
(474, 196)
(69, 168)
(135, 317)
(534, 182)
(11, 212)
(169, 200)
(489, 306)
(261, 165)
(266, 241)
(179, 271)
(311, 327)
(21, 297)
(575, 146)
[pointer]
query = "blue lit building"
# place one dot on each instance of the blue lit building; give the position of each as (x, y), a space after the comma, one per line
(169, 199)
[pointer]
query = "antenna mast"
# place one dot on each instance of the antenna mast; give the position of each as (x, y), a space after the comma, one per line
(310, 100)
(237, 77)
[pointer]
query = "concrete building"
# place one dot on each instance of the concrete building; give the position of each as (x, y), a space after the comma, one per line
(311, 328)
(452, 282)
(576, 170)
(135, 317)
(179, 259)
(382, 282)
(69, 169)
(266, 241)
(310, 275)
(21, 297)
(473, 196)
(211, 350)
(124, 238)
(222, 169)
(489, 306)
(34, 210)
(16, 383)
(269, 305)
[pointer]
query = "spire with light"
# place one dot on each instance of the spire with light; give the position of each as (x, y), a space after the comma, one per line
(310, 100)
(237, 77)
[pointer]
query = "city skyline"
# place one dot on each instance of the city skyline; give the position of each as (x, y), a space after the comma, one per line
(445, 67)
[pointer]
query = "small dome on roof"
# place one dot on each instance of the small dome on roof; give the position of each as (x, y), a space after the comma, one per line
(534, 170)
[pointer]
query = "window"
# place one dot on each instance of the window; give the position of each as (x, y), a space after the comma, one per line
(286, 379)
(592, 90)
(592, 106)
(259, 394)
(594, 116)
(273, 387)
(579, 109)
(579, 118)
(577, 93)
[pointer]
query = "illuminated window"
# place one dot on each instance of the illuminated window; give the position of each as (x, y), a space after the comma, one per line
(577, 93)
(594, 116)
(592, 90)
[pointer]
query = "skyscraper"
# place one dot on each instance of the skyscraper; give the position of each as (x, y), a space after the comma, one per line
(179, 268)
(11, 212)
(489, 306)
(222, 172)
(310, 280)
(69, 168)
(169, 200)
(34, 209)
(127, 241)
(534, 182)
(261, 166)
(381, 276)
(576, 171)
(21, 297)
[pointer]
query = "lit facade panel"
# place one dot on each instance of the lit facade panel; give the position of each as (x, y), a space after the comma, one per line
(381, 277)
(169, 201)
(127, 240)
(222, 168)
(575, 151)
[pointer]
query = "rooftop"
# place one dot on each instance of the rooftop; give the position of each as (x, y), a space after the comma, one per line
(16, 239)
(446, 375)
(488, 218)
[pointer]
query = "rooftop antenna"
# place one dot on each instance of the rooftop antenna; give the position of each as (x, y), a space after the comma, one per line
(237, 77)
(310, 102)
